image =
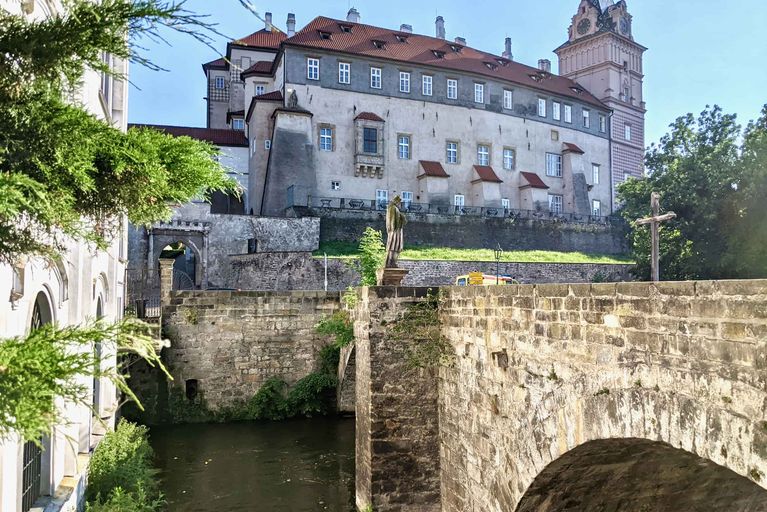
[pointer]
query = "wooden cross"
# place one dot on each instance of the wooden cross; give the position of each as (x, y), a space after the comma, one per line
(654, 223)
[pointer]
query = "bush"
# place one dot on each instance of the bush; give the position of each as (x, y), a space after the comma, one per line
(310, 395)
(269, 402)
(372, 256)
(121, 473)
(338, 324)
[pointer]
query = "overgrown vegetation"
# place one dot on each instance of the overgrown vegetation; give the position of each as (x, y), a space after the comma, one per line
(351, 250)
(121, 476)
(338, 325)
(50, 363)
(713, 175)
(372, 256)
(420, 323)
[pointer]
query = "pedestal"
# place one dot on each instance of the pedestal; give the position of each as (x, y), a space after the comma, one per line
(391, 276)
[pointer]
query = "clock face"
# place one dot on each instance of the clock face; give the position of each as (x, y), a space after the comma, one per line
(583, 26)
(625, 26)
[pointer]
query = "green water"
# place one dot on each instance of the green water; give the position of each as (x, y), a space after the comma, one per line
(291, 466)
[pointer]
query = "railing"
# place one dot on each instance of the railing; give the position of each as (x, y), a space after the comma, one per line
(373, 205)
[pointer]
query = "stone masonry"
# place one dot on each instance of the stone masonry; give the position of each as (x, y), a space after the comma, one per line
(232, 342)
(674, 371)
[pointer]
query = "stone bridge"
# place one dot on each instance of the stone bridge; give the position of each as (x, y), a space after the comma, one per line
(609, 397)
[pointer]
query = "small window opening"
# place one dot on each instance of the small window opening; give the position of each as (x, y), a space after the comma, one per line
(379, 44)
(192, 388)
(346, 28)
(325, 35)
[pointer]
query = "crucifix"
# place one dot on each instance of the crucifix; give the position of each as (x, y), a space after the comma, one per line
(654, 223)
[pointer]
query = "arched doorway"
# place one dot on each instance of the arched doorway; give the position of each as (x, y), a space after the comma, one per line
(185, 265)
(36, 467)
(614, 475)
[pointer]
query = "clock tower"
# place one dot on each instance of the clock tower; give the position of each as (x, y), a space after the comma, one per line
(603, 57)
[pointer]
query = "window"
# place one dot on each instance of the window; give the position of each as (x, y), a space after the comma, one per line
(370, 140)
(479, 93)
(404, 82)
(220, 83)
(382, 199)
(586, 118)
(595, 174)
(602, 123)
(403, 147)
(267, 144)
(238, 124)
(313, 69)
(344, 73)
(452, 89)
(554, 135)
(556, 111)
(375, 78)
(555, 203)
(596, 208)
(553, 165)
(452, 153)
(335, 185)
(541, 107)
(458, 202)
(627, 131)
(483, 155)
(326, 138)
(407, 199)
(260, 89)
(508, 158)
(506, 204)
(568, 113)
(427, 83)
(508, 100)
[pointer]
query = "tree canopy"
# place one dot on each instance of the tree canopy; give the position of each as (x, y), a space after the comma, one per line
(713, 175)
(64, 173)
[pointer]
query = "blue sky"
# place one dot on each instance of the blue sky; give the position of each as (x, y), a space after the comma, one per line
(700, 51)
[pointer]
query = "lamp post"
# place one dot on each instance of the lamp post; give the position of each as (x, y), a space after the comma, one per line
(498, 253)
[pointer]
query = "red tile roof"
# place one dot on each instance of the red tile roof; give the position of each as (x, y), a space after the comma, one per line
(215, 136)
(573, 148)
(218, 63)
(369, 116)
(433, 169)
(270, 96)
(533, 181)
(262, 67)
(262, 39)
(486, 173)
(420, 49)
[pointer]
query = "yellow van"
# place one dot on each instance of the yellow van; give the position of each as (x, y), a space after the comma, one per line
(480, 279)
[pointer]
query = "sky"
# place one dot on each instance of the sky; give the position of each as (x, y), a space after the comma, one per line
(701, 52)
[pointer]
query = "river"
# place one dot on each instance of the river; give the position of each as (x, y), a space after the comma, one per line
(290, 466)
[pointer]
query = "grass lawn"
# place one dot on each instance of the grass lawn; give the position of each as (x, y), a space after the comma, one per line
(350, 250)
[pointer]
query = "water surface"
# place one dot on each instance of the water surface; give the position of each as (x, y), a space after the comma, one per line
(290, 466)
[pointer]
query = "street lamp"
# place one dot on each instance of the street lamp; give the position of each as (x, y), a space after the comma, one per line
(498, 253)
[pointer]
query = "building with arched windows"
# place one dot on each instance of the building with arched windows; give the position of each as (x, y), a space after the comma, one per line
(77, 285)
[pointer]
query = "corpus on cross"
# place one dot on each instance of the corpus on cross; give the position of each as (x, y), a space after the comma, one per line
(654, 223)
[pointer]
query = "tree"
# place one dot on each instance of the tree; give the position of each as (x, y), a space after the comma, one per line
(372, 256)
(708, 179)
(66, 175)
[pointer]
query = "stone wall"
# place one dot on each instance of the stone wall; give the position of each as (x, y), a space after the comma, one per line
(479, 232)
(543, 370)
(301, 271)
(231, 342)
(397, 442)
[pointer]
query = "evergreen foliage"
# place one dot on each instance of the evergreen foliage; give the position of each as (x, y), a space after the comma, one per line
(713, 176)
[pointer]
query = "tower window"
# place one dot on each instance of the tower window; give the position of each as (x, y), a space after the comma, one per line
(627, 131)
(220, 84)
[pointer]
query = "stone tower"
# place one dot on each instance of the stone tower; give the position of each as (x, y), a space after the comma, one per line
(603, 57)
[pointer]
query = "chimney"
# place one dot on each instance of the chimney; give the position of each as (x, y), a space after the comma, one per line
(291, 24)
(440, 26)
(460, 40)
(406, 28)
(544, 65)
(268, 21)
(353, 16)
(507, 51)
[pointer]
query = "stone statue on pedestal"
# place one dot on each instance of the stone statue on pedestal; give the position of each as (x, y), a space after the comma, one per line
(391, 274)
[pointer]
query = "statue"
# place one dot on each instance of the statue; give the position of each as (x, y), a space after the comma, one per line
(292, 100)
(391, 274)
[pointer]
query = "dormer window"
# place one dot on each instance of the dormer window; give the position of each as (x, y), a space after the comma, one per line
(502, 62)
(325, 35)
(535, 78)
(381, 45)
(576, 90)
(401, 38)
(439, 54)
(456, 48)
(491, 66)
(346, 28)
